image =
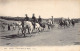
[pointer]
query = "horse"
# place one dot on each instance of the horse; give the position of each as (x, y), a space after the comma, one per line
(28, 25)
(64, 23)
(14, 26)
(3, 27)
(67, 23)
(19, 24)
(49, 23)
(43, 25)
(73, 22)
(38, 27)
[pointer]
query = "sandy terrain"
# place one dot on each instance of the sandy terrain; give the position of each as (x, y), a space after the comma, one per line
(54, 37)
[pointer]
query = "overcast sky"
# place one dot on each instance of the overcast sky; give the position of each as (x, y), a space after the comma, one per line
(44, 8)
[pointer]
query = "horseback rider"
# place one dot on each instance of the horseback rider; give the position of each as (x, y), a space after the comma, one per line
(26, 18)
(39, 20)
(73, 22)
(61, 21)
(64, 23)
(34, 20)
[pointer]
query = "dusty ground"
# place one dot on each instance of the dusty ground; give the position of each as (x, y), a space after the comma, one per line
(54, 37)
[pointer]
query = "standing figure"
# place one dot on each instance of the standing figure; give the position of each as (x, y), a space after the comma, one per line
(52, 20)
(9, 27)
(69, 21)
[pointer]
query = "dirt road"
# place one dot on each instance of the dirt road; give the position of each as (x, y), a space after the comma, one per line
(54, 37)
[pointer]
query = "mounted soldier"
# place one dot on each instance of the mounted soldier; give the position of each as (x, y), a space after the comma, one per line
(61, 22)
(34, 20)
(40, 20)
(73, 22)
(26, 18)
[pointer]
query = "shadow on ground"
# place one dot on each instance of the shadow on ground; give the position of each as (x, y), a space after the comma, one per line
(8, 37)
(13, 36)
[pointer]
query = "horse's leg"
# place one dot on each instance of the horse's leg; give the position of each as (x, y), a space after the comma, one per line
(13, 28)
(48, 27)
(51, 26)
(68, 25)
(32, 30)
(2, 28)
(58, 26)
(64, 25)
(29, 31)
(61, 26)
(38, 30)
(24, 30)
(41, 29)
(18, 31)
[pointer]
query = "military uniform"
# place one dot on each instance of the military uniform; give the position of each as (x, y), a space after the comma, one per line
(34, 20)
(40, 20)
(26, 18)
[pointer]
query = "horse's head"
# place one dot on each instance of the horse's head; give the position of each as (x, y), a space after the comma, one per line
(18, 23)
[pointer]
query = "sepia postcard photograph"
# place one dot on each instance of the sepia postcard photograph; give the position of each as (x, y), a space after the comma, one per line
(40, 25)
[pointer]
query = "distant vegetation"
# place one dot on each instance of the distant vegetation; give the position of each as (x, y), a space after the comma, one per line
(11, 18)
(22, 18)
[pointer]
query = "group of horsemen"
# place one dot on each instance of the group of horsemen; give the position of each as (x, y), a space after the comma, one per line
(33, 20)
(31, 24)
(39, 20)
